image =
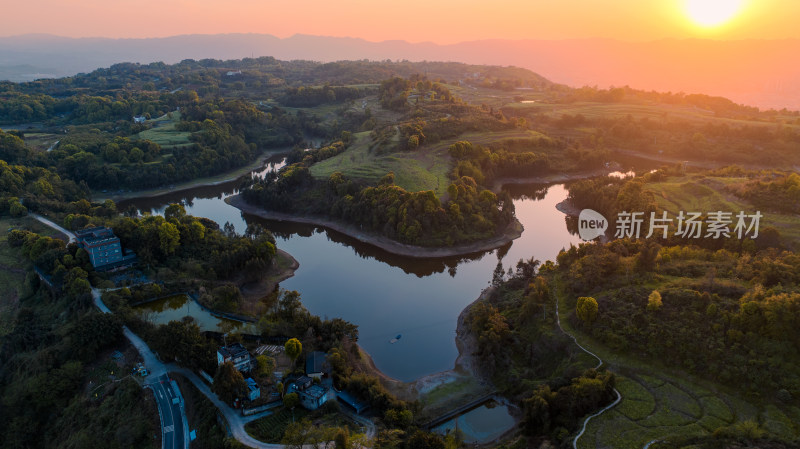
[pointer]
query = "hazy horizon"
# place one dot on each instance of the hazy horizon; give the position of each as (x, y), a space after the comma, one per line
(418, 21)
(741, 49)
(763, 73)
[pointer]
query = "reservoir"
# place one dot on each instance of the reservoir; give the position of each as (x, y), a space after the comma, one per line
(384, 294)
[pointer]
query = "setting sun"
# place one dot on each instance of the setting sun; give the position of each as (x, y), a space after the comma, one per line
(711, 13)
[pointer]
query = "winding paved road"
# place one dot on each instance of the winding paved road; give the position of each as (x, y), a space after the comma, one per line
(173, 415)
(70, 236)
(170, 411)
(174, 425)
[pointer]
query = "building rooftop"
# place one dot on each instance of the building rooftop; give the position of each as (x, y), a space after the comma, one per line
(315, 391)
(233, 351)
(315, 362)
(303, 380)
(96, 234)
(352, 401)
(251, 384)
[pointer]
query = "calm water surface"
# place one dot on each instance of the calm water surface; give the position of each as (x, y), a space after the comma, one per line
(162, 311)
(480, 425)
(385, 294)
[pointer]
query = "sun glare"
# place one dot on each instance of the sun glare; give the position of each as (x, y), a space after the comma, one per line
(712, 13)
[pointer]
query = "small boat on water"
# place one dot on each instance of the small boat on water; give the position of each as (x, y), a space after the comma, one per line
(395, 339)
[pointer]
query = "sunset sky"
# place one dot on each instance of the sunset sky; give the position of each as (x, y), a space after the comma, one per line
(439, 21)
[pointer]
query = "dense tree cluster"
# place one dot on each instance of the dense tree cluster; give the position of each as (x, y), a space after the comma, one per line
(529, 359)
(777, 193)
(418, 218)
(394, 93)
(305, 97)
(16, 107)
(550, 411)
(289, 318)
(744, 308)
(66, 267)
(54, 336)
(178, 236)
(485, 165)
(23, 188)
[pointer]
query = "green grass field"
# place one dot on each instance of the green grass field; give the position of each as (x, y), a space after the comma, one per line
(270, 429)
(41, 141)
(659, 406)
(164, 133)
(659, 402)
(424, 169)
(494, 97)
(638, 111)
(694, 193)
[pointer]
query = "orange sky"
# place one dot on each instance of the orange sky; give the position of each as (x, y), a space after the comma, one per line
(440, 21)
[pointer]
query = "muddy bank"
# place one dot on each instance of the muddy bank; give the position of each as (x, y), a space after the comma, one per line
(214, 180)
(467, 364)
(275, 275)
(556, 178)
(513, 231)
(567, 208)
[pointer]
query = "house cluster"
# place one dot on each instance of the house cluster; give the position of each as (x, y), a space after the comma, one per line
(242, 361)
(314, 388)
(104, 249)
(312, 395)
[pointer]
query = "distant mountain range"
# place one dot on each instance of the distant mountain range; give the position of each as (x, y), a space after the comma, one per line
(764, 73)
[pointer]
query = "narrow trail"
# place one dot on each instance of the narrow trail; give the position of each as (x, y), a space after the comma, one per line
(599, 364)
(70, 236)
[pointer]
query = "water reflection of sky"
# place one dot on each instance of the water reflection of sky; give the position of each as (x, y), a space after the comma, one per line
(176, 307)
(481, 425)
(386, 295)
(382, 293)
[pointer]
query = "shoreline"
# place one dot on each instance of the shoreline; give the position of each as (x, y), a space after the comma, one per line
(555, 178)
(209, 181)
(254, 291)
(512, 232)
(567, 208)
(465, 365)
(467, 343)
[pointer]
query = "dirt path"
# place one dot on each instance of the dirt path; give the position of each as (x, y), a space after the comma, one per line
(599, 364)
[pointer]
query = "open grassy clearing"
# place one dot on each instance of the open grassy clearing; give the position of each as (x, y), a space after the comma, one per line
(164, 133)
(652, 111)
(658, 406)
(41, 141)
(659, 402)
(270, 429)
(693, 193)
(424, 169)
(495, 98)
(495, 138)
